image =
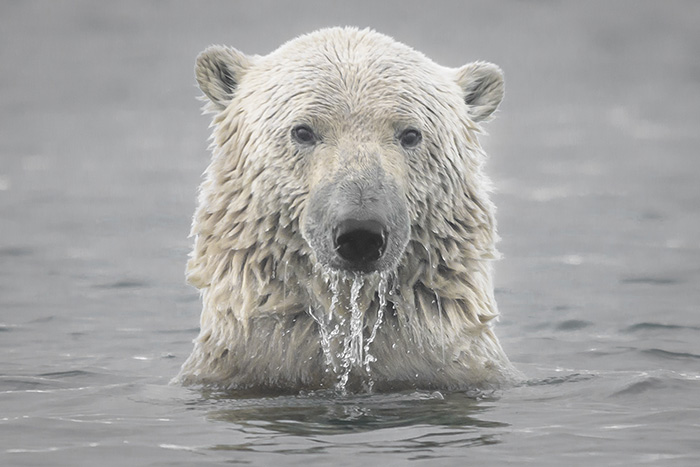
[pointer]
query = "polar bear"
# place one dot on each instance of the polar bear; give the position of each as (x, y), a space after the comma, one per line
(344, 233)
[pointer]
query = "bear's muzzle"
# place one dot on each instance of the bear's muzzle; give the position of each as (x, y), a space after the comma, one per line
(358, 222)
(360, 242)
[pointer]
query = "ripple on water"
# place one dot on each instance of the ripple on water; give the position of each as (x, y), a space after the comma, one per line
(643, 385)
(649, 280)
(67, 374)
(573, 325)
(4, 327)
(646, 326)
(329, 412)
(123, 284)
(668, 355)
(45, 382)
(659, 384)
(14, 252)
(555, 380)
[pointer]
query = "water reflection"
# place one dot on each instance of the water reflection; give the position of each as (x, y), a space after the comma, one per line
(326, 412)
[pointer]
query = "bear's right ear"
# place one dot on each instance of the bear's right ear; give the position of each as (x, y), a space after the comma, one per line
(218, 72)
(482, 87)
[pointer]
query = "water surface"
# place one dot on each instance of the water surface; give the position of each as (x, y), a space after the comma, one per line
(594, 157)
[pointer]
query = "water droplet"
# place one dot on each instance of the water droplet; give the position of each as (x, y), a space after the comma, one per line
(381, 293)
(342, 327)
(442, 331)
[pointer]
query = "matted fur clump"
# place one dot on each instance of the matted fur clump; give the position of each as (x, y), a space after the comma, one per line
(344, 233)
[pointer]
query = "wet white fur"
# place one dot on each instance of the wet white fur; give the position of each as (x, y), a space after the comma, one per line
(257, 275)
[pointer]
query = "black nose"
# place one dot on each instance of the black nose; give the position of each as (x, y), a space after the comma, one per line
(360, 242)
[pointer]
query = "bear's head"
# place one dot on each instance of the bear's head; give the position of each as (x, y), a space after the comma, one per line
(362, 143)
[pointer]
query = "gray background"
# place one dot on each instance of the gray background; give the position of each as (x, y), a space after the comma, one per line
(593, 154)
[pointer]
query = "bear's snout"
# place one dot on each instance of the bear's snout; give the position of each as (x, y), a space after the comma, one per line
(360, 242)
(357, 222)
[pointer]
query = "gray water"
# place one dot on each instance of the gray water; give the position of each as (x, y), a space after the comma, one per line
(594, 156)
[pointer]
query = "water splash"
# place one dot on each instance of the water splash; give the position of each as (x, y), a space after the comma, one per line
(327, 331)
(346, 331)
(356, 321)
(352, 343)
(381, 293)
(381, 310)
(442, 330)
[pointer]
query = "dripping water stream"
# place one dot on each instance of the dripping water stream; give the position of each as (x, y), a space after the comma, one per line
(442, 329)
(342, 328)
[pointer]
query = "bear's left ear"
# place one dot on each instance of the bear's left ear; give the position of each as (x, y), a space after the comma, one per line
(482, 87)
(218, 71)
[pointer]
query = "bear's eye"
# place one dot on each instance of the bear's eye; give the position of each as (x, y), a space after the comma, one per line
(410, 138)
(303, 134)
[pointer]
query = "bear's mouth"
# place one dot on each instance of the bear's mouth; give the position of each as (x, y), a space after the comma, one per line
(360, 244)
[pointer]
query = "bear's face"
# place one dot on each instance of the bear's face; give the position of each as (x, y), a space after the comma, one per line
(354, 132)
(356, 216)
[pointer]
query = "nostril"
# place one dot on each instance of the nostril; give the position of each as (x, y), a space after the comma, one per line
(360, 241)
